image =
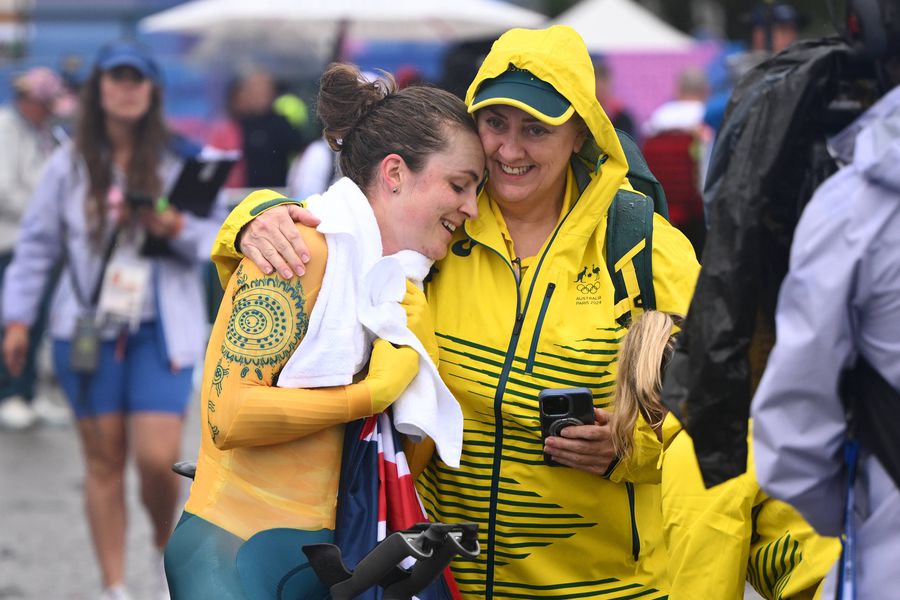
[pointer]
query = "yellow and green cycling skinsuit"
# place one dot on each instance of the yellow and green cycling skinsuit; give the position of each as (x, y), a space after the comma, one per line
(270, 458)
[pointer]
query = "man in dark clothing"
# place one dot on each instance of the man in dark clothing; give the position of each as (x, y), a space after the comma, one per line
(269, 139)
(270, 142)
(770, 155)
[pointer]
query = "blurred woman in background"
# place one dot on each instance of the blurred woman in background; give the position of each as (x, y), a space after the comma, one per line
(128, 319)
(720, 538)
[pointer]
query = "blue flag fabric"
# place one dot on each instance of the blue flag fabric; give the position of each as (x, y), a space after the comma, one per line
(372, 459)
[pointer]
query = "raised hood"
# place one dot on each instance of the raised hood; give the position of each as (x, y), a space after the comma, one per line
(558, 56)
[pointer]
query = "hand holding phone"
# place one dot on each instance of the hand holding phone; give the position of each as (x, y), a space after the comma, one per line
(561, 408)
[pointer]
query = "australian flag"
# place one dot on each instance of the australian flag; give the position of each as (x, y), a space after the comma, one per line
(377, 496)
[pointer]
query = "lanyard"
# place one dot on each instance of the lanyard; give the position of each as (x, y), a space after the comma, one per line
(83, 301)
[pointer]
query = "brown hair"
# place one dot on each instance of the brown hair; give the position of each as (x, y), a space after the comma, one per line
(150, 138)
(365, 121)
(648, 345)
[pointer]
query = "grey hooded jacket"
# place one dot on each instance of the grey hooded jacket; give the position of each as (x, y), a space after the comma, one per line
(840, 299)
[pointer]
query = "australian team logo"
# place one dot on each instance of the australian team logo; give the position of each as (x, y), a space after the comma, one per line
(588, 283)
(463, 247)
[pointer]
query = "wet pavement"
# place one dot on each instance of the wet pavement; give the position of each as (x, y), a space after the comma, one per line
(45, 549)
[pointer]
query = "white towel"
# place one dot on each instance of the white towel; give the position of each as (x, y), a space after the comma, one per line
(337, 346)
(426, 407)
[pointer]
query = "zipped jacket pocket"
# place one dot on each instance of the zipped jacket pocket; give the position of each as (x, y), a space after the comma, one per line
(536, 336)
(635, 537)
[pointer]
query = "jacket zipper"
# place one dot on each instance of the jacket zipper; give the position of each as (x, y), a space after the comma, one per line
(498, 450)
(635, 538)
(498, 398)
(529, 365)
(498, 427)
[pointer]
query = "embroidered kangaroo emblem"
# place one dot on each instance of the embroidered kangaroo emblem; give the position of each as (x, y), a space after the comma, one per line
(581, 275)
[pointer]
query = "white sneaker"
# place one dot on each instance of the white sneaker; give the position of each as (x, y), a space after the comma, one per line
(51, 411)
(115, 592)
(16, 414)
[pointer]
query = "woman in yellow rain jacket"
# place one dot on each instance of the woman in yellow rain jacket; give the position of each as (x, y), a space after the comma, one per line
(719, 538)
(722, 537)
(524, 302)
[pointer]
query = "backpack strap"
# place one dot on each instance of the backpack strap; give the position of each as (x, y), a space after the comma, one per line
(629, 228)
(870, 403)
(629, 250)
(640, 176)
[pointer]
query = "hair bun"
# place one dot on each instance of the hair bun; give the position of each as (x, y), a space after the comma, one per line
(346, 97)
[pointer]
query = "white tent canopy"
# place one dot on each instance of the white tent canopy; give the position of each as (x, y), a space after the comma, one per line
(622, 26)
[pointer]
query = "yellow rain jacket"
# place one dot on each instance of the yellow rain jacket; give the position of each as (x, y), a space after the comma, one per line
(544, 531)
(722, 537)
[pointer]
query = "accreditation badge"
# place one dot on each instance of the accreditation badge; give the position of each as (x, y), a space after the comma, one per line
(125, 283)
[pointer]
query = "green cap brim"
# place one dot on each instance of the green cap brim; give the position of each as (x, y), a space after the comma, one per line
(521, 89)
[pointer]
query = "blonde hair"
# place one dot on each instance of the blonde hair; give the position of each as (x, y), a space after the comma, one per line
(647, 344)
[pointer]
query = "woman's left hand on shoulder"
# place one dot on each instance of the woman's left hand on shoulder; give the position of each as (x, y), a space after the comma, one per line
(584, 447)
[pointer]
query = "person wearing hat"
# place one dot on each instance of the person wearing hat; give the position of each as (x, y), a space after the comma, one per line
(127, 327)
(775, 27)
(28, 140)
(523, 302)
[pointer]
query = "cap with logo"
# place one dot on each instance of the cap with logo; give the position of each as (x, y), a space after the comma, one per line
(521, 89)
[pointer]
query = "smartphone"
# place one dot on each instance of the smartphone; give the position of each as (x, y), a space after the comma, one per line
(138, 199)
(561, 408)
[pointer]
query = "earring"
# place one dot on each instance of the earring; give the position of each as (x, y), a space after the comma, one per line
(395, 190)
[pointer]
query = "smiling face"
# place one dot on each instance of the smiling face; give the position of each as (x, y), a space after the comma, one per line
(125, 94)
(431, 204)
(527, 159)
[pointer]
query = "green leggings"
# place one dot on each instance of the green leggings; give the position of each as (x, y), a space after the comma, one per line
(205, 562)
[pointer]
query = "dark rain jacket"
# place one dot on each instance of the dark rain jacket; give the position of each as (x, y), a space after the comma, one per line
(770, 156)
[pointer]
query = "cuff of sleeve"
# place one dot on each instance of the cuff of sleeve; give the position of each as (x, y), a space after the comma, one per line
(641, 466)
(180, 220)
(262, 205)
(612, 467)
(184, 239)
